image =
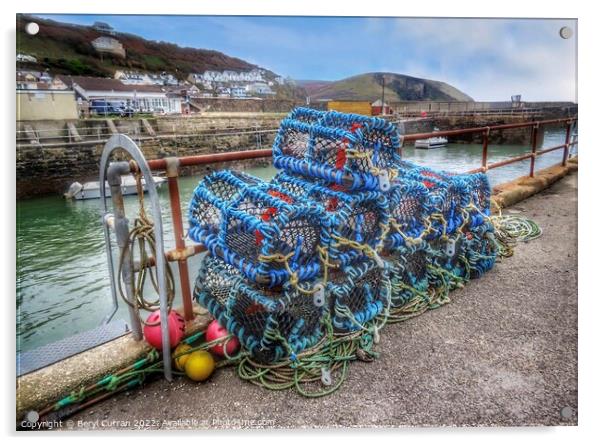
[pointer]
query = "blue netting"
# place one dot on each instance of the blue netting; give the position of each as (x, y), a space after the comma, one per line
(271, 325)
(357, 294)
(346, 149)
(409, 273)
(361, 217)
(263, 231)
(344, 235)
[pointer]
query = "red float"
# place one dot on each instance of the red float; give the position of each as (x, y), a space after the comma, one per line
(152, 330)
(214, 332)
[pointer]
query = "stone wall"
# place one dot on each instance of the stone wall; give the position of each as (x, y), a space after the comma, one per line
(245, 105)
(514, 136)
(435, 106)
(49, 168)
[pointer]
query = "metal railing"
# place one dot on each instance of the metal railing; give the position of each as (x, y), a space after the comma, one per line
(485, 132)
(49, 138)
(171, 166)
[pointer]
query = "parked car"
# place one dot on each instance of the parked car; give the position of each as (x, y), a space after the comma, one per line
(108, 108)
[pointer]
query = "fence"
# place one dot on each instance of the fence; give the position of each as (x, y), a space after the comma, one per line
(171, 166)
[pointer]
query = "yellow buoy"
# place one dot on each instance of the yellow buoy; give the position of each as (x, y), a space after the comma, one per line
(199, 366)
(180, 361)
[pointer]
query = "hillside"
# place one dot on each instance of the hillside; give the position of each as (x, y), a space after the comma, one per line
(66, 49)
(397, 87)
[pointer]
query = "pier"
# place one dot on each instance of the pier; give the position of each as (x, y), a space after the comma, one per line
(503, 352)
(506, 195)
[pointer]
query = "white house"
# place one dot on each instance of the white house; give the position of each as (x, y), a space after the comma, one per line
(254, 75)
(145, 98)
(26, 58)
(133, 77)
(238, 91)
(109, 45)
(259, 88)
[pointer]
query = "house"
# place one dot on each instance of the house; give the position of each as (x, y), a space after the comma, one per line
(139, 78)
(259, 88)
(109, 45)
(238, 91)
(144, 98)
(213, 76)
(163, 79)
(185, 90)
(26, 58)
(103, 28)
(132, 77)
(41, 104)
(34, 80)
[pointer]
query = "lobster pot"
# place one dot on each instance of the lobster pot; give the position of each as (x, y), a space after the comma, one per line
(269, 234)
(481, 249)
(357, 218)
(409, 207)
(448, 197)
(451, 254)
(358, 154)
(357, 294)
(212, 194)
(270, 324)
(409, 273)
(377, 134)
(307, 115)
(479, 192)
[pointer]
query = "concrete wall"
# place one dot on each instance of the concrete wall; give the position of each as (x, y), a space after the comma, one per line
(46, 104)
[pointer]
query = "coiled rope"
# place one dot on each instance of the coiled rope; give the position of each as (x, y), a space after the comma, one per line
(141, 240)
(518, 228)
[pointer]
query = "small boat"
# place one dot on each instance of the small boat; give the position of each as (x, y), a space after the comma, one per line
(434, 142)
(91, 190)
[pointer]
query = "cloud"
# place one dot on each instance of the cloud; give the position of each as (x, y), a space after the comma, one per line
(489, 59)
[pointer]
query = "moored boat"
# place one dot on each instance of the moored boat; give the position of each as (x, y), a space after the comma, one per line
(91, 190)
(434, 142)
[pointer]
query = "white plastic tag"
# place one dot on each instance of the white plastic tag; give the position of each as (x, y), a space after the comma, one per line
(319, 297)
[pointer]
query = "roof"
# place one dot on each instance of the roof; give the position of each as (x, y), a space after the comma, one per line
(379, 103)
(105, 84)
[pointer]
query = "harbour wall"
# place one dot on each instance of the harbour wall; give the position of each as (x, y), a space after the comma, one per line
(50, 155)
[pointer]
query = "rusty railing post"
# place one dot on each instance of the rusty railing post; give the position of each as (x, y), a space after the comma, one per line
(173, 166)
(534, 131)
(565, 153)
(485, 148)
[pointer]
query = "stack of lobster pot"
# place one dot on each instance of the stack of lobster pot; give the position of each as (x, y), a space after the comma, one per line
(346, 164)
(460, 237)
(345, 232)
(263, 259)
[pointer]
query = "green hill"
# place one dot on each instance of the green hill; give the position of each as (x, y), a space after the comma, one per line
(397, 87)
(67, 49)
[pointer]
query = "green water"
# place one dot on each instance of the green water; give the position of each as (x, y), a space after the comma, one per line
(62, 272)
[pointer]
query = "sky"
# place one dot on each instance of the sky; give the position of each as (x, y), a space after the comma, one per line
(488, 59)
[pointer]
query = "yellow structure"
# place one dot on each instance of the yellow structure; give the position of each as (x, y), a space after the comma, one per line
(349, 106)
(35, 105)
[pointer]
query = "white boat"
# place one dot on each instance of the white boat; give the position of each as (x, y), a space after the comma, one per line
(434, 142)
(91, 190)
